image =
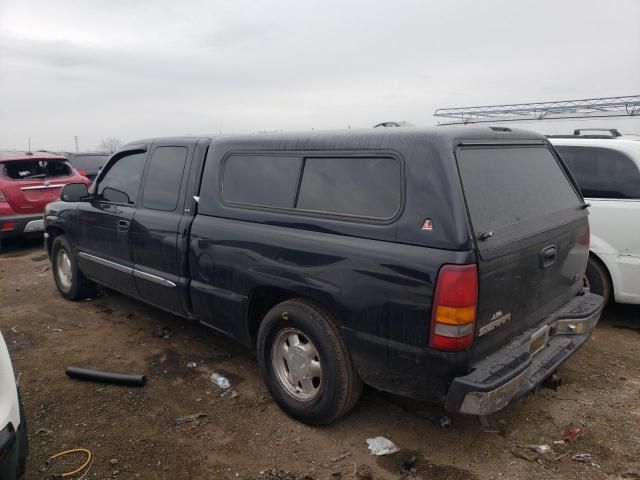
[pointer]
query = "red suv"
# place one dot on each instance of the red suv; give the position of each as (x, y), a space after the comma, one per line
(27, 183)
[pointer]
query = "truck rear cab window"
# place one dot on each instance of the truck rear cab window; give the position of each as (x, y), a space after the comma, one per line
(163, 178)
(513, 188)
(356, 186)
(366, 187)
(35, 169)
(602, 172)
(261, 180)
(121, 182)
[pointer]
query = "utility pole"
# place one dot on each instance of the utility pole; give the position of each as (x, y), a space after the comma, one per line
(76, 140)
(29, 144)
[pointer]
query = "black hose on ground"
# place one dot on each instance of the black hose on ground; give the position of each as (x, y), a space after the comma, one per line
(106, 377)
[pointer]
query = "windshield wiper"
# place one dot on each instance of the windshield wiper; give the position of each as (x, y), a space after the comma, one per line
(35, 175)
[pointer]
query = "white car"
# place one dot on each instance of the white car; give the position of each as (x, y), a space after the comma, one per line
(13, 427)
(606, 167)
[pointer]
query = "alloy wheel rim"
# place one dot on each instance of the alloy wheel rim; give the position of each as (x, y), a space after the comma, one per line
(63, 270)
(296, 364)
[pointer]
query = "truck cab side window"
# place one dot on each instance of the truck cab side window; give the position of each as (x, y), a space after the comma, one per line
(162, 181)
(121, 183)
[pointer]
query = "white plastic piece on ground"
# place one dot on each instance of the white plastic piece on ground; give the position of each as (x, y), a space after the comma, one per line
(381, 446)
(543, 449)
(220, 381)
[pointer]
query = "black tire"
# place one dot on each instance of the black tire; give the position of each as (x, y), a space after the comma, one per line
(79, 287)
(340, 388)
(598, 279)
(24, 441)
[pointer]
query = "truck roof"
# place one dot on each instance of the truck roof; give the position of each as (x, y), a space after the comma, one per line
(361, 137)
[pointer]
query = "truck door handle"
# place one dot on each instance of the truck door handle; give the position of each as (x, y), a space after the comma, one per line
(123, 225)
(548, 256)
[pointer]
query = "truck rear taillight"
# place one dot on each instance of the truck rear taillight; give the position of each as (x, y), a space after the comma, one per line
(453, 317)
(7, 226)
(584, 237)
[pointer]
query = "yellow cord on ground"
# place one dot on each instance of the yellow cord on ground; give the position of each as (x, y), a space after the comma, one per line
(67, 452)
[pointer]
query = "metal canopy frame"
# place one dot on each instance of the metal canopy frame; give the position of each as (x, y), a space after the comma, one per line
(628, 106)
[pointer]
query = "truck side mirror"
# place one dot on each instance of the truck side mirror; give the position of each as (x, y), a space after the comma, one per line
(74, 192)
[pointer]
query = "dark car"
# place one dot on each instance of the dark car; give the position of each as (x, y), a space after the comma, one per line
(442, 264)
(88, 164)
(28, 181)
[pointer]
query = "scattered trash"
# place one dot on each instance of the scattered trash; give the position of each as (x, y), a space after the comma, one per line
(410, 462)
(381, 446)
(364, 473)
(161, 332)
(54, 329)
(42, 268)
(86, 465)
(571, 434)
(583, 457)
(192, 365)
(14, 329)
(443, 421)
(542, 449)
(113, 461)
(525, 453)
(234, 394)
(190, 418)
(342, 456)
(220, 381)
(44, 431)
(631, 473)
(106, 377)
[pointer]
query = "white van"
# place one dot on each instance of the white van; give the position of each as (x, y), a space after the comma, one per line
(606, 166)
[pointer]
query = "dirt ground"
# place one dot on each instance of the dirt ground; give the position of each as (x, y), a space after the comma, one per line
(134, 433)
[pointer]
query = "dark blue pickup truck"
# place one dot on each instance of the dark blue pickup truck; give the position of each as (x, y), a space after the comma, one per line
(442, 264)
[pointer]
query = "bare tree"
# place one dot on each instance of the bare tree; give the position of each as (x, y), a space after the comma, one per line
(111, 145)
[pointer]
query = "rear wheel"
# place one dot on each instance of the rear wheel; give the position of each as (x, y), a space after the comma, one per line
(71, 283)
(597, 279)
(305, 364)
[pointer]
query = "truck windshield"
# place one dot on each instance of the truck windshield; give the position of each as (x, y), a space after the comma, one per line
(33, 169)
(514, 187)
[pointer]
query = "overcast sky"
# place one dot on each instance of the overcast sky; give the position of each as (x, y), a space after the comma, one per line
(125, 69)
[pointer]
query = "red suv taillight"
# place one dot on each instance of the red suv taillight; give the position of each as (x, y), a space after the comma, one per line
(2, 197)
(453, 318)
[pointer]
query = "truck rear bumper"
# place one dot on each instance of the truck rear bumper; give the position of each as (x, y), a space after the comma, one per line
(525, 363)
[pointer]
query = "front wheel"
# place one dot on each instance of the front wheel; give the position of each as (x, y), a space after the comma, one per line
(71, 283)
(305, 364)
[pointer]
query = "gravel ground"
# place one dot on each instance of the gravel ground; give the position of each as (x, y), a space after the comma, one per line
(142, 433)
